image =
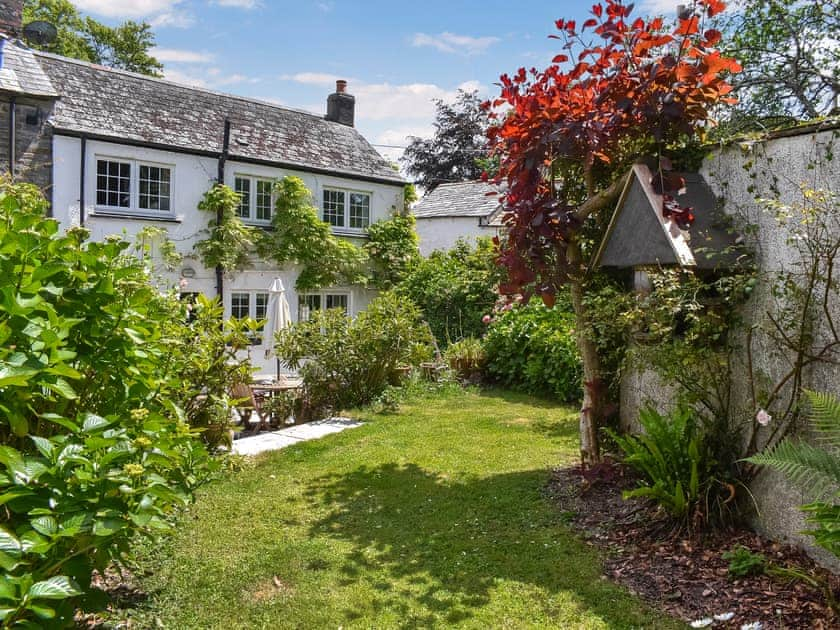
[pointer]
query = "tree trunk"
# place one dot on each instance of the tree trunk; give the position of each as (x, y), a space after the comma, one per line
(593, 393)
(590, 411)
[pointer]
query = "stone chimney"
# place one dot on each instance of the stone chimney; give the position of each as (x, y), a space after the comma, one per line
(341, 106)
(11, 17)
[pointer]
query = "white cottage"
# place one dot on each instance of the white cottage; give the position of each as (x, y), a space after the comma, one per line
(117, 151)
(459, 210)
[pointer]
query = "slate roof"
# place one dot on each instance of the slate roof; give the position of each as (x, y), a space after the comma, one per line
(21, 73)
(108, 103)
(460, 199)
(639, 235)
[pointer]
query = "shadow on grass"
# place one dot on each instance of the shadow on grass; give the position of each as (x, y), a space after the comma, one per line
(444, 546)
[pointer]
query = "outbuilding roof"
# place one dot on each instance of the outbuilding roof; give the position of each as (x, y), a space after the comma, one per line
(640, 235)
(459, 199)
(106, 103)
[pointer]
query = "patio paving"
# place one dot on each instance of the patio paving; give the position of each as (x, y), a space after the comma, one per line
(275, 440)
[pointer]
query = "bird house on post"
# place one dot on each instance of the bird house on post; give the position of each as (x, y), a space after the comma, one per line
(640, 236)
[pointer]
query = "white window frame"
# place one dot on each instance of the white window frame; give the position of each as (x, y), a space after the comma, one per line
(133, 186)
(252, 201)
(347, 192)
(252, 308)
(323, 295)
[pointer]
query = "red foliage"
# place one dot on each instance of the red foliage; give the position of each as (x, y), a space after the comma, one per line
(639, 89)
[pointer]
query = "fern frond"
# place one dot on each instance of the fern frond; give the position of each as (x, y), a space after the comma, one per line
(810, 467)
(825, 416)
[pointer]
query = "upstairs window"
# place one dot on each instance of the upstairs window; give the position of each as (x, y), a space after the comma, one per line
(130, 185)
(347, 209)
(256, 198)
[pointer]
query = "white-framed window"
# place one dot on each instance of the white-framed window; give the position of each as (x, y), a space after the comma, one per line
(126, 185)
(346, 208)
(309, 303)
(253, 304)
(256, 198)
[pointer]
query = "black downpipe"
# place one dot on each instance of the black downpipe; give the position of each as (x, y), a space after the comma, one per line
(82, 171)
(12, 133)
(220, 276)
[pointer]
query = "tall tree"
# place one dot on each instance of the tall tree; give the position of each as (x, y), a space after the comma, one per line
(791, 57)
(126, 46)
(566, 137)
(455, 152)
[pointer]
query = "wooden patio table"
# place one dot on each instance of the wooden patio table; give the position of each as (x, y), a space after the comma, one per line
(270, 390)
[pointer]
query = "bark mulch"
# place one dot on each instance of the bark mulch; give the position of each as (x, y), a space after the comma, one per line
(686, 575)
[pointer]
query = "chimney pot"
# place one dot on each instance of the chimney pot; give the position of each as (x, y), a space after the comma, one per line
(341, 86)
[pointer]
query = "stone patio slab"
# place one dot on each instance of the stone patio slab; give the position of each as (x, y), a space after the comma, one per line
(276, 440)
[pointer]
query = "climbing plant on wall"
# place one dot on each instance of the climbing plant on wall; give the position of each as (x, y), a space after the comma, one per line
(229, 241)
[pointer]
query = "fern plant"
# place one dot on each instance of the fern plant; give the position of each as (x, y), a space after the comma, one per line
(816, 467)
(671, 457)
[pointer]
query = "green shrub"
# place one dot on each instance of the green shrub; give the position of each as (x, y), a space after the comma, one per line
(348, 362)
(466, 358)
(676, 469)
(454, 289)
(533, 349)
(96, 447)
(816, 468)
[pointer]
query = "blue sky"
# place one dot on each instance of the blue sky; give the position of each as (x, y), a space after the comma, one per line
(397, 57)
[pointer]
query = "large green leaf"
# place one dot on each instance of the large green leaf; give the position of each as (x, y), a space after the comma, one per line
(58, 587)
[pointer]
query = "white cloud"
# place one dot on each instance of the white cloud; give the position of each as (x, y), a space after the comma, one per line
(665, 8)
(173, 19)
(325, 7)
(174, 55)
(384, 101)
(312, 78)
(453, 43)
(127, 8)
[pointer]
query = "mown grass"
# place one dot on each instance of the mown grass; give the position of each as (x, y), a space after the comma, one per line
(430, 517)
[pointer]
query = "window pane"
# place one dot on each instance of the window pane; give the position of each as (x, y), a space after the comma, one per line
(261, 306)
(240, 305)
(337, 300)
(334, 207)
(243, 187)
(113, 183)
(308, 305)
(359, 210)
(153, 195)
(263, 205)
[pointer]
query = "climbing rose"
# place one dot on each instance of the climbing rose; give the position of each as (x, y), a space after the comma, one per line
(763, 417)
(486, 319)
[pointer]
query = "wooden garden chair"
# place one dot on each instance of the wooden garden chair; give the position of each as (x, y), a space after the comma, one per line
(246, 403)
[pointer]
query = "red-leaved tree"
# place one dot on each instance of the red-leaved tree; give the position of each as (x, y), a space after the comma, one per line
(567, 135)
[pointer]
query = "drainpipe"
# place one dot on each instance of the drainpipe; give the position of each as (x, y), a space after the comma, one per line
(220, 276)
(82, 171)
(12, 133)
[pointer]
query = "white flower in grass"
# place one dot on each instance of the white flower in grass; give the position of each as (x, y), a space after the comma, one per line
(702, 623)
(763, 418)
(754, 625)
(724, 616)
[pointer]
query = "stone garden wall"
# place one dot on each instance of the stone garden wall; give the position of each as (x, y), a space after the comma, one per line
(740, 174)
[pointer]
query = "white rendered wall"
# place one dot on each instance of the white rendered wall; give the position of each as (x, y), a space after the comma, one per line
(444, 232)
(192, 176)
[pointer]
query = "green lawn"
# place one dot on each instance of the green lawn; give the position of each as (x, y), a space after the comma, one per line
(431, 517)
